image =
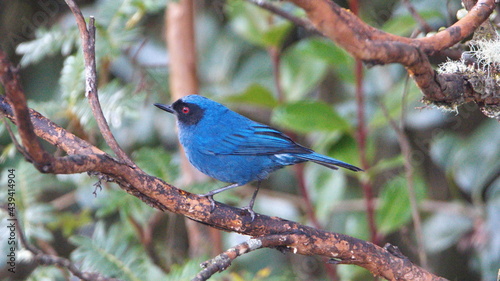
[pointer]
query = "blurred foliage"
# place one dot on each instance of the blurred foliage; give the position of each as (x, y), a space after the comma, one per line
(456, 157)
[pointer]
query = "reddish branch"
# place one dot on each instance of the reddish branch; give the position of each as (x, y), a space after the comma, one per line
(83, 157)
(32, 147)
(183, 80)
(361, 136)
(424, 26)
(374, 47)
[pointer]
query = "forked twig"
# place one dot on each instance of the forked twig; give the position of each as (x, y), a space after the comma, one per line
(88, 47)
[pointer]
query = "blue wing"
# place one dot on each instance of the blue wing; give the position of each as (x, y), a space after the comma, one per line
(258, 139)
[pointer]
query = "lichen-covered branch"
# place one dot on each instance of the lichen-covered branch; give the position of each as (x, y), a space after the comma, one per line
(374, 47)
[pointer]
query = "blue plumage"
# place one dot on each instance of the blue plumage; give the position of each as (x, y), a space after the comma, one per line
(232, 148)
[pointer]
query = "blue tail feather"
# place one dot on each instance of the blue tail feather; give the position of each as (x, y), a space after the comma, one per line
(327, 161)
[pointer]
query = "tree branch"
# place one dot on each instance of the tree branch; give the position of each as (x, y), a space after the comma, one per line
(224, 260)
(424, 26)
(163, 196)
(361, 139)
(374, 47)
(32, 148)
(88, 47)
(292, 18)
(405, 147)
(82, 157)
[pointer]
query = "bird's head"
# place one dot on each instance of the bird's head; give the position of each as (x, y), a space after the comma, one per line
(189, 109)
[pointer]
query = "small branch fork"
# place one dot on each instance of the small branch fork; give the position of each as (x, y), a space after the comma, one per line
(224, 260)
(88, 46)
(46, 259)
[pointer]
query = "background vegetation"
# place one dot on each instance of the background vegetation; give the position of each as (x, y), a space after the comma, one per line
(274, 72)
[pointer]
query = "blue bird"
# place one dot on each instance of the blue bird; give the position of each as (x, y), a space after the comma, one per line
(234, 149)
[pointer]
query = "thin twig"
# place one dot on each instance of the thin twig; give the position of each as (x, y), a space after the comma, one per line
(362, 134)
(145, 234)
(46, 259)
(18, 146)
(88, 47)
(424, 26)
(32, 148)
(405, 150)
(275, 54)
(224, 260)
(275, 10)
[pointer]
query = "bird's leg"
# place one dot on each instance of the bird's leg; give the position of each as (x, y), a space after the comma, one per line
(252, 201)
(249, 208)
(210, 194)
(219, 190)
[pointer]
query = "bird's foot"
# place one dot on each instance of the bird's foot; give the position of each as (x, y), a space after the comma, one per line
(250, 210)
(210, 198)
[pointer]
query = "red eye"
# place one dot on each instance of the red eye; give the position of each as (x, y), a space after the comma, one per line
(185, 110)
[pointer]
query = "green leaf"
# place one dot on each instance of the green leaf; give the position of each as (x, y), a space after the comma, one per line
(300, 70)
(255, 94)
(68, 222)
(325, 50)
(345, 148)
(47, 272)
(150, 6)
(47, 43)
(443, 150)
(253, 67)
(257, 25)
(404, 25)
(353, 273)
(443, 230)
(72, 80)
(386, 164)
(392, 101)
(395, 209)
(326, 188)
(157, 162)
(30, 186)
(462, 158)
(188, 270)
(119, 102)
(308, 116)
(116, 201)
(113, 254)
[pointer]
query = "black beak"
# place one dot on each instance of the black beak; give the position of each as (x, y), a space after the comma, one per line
(167, 108)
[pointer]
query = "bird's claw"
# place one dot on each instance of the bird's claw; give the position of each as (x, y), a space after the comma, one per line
(212, 201)
(250, 211)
